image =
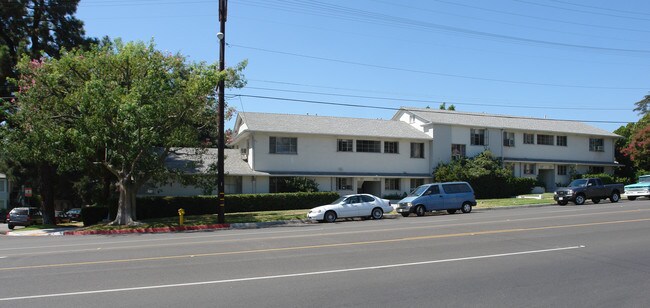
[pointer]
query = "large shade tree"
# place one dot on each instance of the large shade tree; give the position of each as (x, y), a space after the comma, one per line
(124, 107)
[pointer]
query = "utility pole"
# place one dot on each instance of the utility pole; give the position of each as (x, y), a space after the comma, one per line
(223, 10)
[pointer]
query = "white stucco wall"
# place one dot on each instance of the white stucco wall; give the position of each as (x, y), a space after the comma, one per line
(319, 154)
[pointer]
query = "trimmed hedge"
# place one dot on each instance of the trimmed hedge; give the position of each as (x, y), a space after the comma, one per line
(159, 207)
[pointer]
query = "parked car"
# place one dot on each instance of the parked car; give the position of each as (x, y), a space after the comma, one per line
(61, 217)
(358, 205)
(580, 190)
(640, 189)
(24, 216)
(449, 196)
(74, 214)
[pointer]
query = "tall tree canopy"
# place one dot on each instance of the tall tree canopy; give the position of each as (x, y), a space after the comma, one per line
(124, 107)
(36, 28)
(643, 106)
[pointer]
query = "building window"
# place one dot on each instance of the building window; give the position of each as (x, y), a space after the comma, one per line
(417, 150)
(370, 146)
(283, 145)
(343, 184)
(278, 184)
(2, 186)
(561, 170)
(391, 147)
(529, 168)
(596, 169)
(545, 139)
(508, 139)
(529, 138)
(478, 137)
(391, 184)
(457, 151)
(344, 145)
(596, 145)
(416, 183)
(561, 141)
(412, 119)
(233, 184)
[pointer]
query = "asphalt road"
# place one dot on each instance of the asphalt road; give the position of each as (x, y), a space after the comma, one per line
(552, 256)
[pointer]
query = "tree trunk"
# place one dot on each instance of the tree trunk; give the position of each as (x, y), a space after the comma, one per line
(46, 181)
(126, 203)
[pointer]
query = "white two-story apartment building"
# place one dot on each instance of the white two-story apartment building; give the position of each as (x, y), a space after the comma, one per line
(385, 157)
(532, 147)
(345, 155)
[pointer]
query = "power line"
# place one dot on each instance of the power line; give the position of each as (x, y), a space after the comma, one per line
(437, 73)
(342, 12)
(581, 11)
(432, 101)
(396, 109)
(421, 9)
(541, 18)
(602, 8)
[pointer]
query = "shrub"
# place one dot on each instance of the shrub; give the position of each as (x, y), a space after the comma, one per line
(395, 196)
(486, 175)
(94, 214)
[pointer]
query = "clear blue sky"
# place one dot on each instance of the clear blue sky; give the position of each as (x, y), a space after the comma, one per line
(562, 59)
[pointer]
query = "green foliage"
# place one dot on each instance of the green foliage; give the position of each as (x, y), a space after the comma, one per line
(123, 107)
(486, 175)
(300, 184)
(643, 106)
(35, 29)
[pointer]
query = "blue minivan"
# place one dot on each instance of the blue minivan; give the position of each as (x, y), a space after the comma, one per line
(450, 196)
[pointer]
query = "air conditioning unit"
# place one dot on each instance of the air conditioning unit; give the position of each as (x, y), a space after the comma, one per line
(511, 142)
(600, 148)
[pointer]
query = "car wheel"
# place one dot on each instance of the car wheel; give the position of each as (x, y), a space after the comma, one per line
(11, 227)
(580, 200)
(631, 198)
(614, 197)
(406, 214)
(466, 208)
(562, 202)
(451, 211)
(377, 213)
(595, 201)
(330, 216)
(419, 210)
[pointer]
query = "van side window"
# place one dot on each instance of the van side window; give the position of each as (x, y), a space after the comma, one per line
(456, 188)
(433, 190)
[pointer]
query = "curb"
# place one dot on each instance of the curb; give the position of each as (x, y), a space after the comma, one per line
(149, 230)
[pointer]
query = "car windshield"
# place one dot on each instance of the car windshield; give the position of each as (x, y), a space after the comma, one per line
(418, 191)
(578, 183)
(644, 179)
(338, 200)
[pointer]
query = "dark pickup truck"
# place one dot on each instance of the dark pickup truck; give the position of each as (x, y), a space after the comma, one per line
(582, 189)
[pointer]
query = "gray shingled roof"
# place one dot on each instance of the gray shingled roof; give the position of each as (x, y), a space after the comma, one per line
(437, 116)
(325, 125)
(197, 161)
